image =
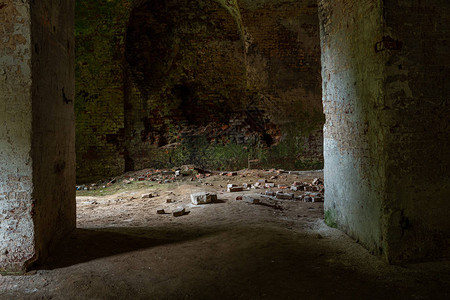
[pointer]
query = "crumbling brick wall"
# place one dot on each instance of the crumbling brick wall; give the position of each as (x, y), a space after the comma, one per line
(186, 70)
(225, 82)
(284, 69)
(99, 105)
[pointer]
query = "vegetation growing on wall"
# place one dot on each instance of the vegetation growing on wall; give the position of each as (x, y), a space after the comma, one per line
(165, 83)
(99, 33)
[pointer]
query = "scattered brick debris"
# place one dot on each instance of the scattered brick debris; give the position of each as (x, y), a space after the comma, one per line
(284, 196)
(203, 198)
(251, 200)
(179, 212)
(235, 189)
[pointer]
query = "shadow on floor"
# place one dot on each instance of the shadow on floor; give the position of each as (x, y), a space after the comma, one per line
(84, 245)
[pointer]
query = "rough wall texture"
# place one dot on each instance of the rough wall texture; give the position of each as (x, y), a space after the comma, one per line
(192, 63)
(16, 204)
(53, 135)
(284, 70)
(186, 70)
(386, 119)
(99, 105)
(37, 159)
(417, 100)
(354, 130)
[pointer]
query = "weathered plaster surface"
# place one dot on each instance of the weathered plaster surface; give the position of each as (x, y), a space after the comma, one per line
(385, 71)
(354, 129)
(16, 203)
(417, 89)
(53, 138)
(37, 158)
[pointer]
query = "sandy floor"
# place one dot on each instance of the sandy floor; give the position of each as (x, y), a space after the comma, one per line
(279, 249)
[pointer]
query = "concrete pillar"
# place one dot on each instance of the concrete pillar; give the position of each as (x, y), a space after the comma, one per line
(37, 159)
(385, 90)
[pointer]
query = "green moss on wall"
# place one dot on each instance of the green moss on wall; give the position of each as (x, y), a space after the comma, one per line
(99, 33)
(149, 80)
(330, 218)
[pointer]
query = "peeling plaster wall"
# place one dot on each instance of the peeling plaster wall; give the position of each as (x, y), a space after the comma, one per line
(16, 203)
(37, 158)
(385, 70)
(354, 131)
(53, 138)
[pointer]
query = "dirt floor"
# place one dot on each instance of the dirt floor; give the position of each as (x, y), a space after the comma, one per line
(229, 249)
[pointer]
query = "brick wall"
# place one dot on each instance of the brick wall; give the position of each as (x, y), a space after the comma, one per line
(186, 68)
(283, 63)
(99, 105)
(206, 82)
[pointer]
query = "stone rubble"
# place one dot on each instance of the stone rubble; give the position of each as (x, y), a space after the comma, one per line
(282, 190)
(234, 189)
(148, 196)
(307, 199)
(179, 212)
(251, 200)
(203, 198)
(284, 196)
(270, 193)
(317, 181)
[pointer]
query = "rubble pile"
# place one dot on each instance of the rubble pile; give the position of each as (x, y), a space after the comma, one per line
(300, 191)
(156, 176)
(269, 188)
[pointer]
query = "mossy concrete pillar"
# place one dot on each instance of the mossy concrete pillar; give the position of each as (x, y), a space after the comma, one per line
(37, 160)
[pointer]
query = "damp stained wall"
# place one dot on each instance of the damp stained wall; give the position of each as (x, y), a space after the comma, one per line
(17, 242)
(284, 70)
(354, 131)
(99, 105)
(417, 89)
(37, 158)
(186, 71)
(53, 127)
(385, 86)
(144, 100)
